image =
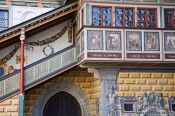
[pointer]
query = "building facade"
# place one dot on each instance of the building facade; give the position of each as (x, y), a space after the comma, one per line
(87, 58)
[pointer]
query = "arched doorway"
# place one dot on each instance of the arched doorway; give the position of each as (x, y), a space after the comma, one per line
(62, 86)
(62, 104)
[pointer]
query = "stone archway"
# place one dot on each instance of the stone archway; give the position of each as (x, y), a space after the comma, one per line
(72, 89)
(62, 104)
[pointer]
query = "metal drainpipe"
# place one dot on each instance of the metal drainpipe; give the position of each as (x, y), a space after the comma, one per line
(21, 96)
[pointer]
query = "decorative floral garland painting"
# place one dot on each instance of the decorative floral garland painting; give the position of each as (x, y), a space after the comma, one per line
(39, 43)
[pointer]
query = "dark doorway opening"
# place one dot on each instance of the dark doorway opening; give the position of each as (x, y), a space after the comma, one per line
(62, 104)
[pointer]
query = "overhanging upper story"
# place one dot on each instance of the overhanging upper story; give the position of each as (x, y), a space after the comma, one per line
(126, 33)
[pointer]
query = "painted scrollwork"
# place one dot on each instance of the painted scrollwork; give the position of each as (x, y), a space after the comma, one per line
(152, 102)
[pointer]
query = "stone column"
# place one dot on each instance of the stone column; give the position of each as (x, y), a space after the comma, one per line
(108, 97)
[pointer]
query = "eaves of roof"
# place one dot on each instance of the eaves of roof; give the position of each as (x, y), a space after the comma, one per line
(38, 21)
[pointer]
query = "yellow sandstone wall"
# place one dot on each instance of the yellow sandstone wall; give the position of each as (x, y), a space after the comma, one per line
(9, 107)
(135, 84)
(78, 76)
(130, 84)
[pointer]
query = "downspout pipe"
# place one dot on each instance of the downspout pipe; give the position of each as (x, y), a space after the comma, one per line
(21, 84)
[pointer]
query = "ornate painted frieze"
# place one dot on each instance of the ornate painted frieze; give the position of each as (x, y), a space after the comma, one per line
(41, 45)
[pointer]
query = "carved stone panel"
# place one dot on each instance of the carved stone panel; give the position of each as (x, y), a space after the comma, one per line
(152, 102)
(112, 100)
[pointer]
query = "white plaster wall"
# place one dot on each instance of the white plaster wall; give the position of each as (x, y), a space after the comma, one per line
(37, 54)
(23, 13)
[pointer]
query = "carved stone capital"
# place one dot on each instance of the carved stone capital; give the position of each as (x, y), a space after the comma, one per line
(104, 73)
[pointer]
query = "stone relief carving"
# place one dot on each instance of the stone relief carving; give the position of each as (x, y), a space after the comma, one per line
(112, 101)
(152, 102)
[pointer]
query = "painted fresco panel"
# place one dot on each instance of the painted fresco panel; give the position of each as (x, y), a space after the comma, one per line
(169, 41)
(113, 40)
(133, 41)
(151, 41)
(95, 40)
(82, 42)
(78, 46)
